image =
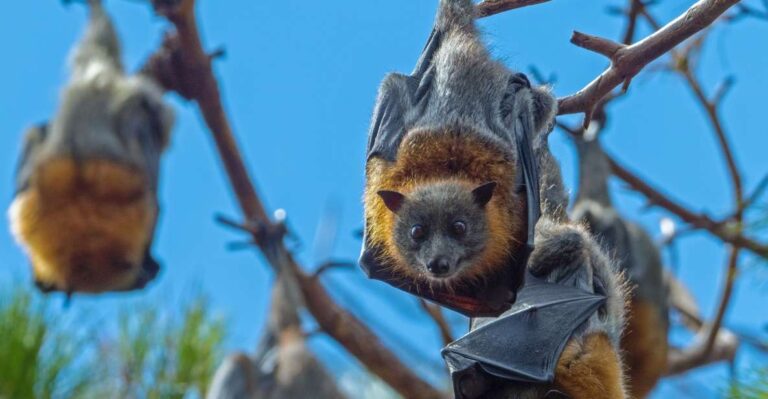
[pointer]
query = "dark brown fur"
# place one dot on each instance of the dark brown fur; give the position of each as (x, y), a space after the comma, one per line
(85, 226)
(645, 348)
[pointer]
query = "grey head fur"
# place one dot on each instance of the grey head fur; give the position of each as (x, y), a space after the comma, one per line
(456, 84)
(103, 113)
(633, 249)
(441, 228)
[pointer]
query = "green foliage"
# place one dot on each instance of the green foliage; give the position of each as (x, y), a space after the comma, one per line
(151, 354)
(755, 387)
(38, 357)
(165, 358)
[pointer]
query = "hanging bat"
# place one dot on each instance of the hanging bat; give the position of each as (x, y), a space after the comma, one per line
(451, 195)
(458, 173)
(561, 338)
(283, 367)
(86, 207)
(644, 342)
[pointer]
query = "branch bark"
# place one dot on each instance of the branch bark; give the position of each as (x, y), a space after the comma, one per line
(181, 65)
(629, 61)
(436, 314)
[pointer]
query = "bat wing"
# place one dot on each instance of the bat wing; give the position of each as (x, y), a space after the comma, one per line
(399, 103)
(34, 138)
(402, 100)
(525, 343)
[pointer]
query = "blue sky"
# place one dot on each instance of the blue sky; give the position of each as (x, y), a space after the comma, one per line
(299, 81)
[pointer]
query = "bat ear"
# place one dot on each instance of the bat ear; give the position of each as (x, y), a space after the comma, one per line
(392, 199)
(484, 193)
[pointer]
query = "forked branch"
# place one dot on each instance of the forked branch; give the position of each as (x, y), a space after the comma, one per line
(626, 62)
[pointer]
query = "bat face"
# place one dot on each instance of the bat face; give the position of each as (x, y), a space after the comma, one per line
(441, 229)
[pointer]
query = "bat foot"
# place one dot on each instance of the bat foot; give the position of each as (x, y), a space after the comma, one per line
(149, 271)
(45, 288)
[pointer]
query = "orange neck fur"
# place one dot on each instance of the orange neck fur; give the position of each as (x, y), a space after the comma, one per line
(426, 157)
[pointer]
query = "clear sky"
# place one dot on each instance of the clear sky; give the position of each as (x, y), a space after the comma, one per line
(299, 81)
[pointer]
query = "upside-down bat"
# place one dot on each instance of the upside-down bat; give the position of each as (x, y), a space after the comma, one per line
(644, 342)
(283, 366)
(86, 207)
(458, 173)
(450, 189)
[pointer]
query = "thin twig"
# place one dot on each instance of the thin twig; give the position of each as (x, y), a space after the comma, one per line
(711, 109)
(725, 298)
(332, 264)
(683, 64)
(183, 66)
(436, 314)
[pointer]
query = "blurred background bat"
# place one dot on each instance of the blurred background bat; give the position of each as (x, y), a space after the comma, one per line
(644, 342)
(283, 367)
(86, 204)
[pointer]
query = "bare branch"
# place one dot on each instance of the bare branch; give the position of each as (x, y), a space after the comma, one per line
(632, 59)
(682, 360)
(725, 299)
(436, 314)
(697, 220)
(711, 109)
(491, 7)
(332, 264)
(634, 10)
(183, 66)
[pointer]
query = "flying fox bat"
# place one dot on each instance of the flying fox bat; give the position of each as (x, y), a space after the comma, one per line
(452, 192)
(283, 367)
(644, 342)
(86, 206)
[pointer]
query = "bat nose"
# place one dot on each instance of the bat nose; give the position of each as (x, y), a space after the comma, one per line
(439, 267)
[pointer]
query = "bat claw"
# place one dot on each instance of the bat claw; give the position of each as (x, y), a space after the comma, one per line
(45, 288)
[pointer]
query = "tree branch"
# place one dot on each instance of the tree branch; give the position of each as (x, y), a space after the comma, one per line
(606, 47)
(723, 231)
(628, 61)
(491, 7)
(181, 65)
(436, 314)
(714, 343)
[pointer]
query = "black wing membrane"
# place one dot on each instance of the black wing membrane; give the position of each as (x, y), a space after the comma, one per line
(399, 99)
(524, 343)
(34, 138)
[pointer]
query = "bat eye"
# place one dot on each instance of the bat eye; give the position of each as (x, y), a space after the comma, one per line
(459, 229)
(417, 232)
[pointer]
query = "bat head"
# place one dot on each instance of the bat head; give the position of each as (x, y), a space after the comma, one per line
(441, 229)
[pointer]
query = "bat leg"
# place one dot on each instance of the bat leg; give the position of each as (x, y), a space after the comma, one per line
(590, 368)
